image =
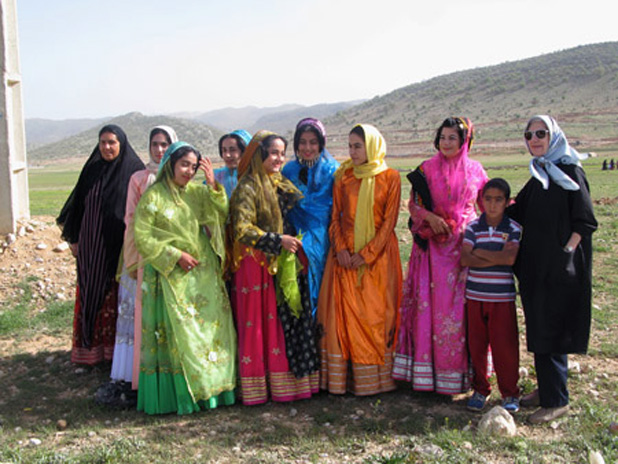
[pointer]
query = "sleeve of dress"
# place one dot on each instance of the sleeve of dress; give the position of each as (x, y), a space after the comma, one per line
(161, 255)
(375, 246)
(337, 241)
(244, 215)
(213, 214)
(582, 215)
(130, 254)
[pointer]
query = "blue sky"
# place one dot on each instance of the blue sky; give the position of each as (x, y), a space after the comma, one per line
(87, 58)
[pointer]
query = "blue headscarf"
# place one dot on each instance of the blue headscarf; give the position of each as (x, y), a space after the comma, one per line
(243, 134)
(311, 215)
(171, 149)
(544, 167)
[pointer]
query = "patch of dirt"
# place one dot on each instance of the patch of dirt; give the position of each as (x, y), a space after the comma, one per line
(30, 255)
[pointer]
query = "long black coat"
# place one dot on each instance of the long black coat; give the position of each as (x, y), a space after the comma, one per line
(555, 285)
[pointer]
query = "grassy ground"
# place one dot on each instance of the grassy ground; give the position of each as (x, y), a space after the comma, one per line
(39, 386)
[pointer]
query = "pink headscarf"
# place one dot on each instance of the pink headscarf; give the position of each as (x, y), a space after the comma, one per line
(450, 179)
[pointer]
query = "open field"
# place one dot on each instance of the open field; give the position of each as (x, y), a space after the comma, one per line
(39, 386)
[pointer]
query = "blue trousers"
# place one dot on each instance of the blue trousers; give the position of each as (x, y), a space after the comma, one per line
(551, 373)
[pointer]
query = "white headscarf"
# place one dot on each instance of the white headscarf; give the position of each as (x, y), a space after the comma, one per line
(544, 167)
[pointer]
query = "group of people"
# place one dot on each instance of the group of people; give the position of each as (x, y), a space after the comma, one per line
(272, 280)
(608, 166)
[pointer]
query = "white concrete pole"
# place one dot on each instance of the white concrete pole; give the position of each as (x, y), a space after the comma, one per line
(14, 200)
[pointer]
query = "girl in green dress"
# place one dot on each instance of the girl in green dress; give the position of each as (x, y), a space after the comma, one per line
(188, 351)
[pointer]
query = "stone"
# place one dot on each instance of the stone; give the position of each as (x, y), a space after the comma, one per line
(523, 372)
(35, 441)
(613, 428)
(41, 246)
(61, 247)
(61, 424)
(293, 412)
(575, 367)
(430, 449)
(50, 359)
(60, 296)
(10, 238)
(594, 457)
(80, 370)
(21, 232)
(498, 422)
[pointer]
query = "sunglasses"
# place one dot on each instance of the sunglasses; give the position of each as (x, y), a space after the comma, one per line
(540, 134)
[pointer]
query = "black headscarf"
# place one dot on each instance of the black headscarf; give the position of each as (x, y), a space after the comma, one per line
(113, 177)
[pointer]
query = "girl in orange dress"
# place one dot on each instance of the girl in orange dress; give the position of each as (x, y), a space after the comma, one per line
(361, 287)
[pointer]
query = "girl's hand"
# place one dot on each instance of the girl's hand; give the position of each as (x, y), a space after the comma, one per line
(356, 261)
(209, 173)
(187, 262)
(344, 258)
(292, 244)
(437, 224)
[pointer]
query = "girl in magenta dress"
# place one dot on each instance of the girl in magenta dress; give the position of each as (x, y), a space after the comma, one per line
(431, 353)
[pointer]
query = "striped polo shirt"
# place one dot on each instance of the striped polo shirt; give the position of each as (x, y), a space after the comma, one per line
(494, 283)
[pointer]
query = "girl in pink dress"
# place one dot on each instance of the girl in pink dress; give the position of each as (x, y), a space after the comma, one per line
(431, 352)
(125, 364)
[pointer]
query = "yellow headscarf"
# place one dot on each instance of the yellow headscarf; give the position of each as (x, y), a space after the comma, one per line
(375, 145)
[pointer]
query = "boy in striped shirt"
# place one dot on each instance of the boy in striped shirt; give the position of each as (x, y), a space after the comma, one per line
(489, 249)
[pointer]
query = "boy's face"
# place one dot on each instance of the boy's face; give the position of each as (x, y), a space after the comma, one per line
(494, 203)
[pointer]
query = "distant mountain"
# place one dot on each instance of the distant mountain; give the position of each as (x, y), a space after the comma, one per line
(229, 119)
(578, 86)
(281, 119)
(43, 131)
(137, 127)
(284, 122)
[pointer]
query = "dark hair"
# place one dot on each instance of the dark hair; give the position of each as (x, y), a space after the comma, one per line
(500, 184)
(308, 128)
(267, 142)
(358, 130)
(182, 151)
(156, 131)
(461, 130)
(113, 129)
(239, 141)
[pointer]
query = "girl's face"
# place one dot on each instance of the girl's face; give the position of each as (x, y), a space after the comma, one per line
(230, 152)
(537, 146)
(358, 152)
(185, 169)
(450, 142)
(276, 157)
(158, 146)
(109, 146)
(308, 146)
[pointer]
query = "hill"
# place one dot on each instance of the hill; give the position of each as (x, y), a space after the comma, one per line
(280, 119)
(284, 122)
(578, 86)
(43, 131)
(137, 126)
(229, 119)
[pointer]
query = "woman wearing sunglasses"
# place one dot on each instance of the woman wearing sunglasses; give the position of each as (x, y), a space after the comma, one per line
(554, 265)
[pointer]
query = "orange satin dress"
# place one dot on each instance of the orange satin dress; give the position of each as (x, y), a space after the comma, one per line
(359, 323)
